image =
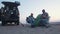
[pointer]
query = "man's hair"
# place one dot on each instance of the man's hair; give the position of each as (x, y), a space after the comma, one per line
(43, 10)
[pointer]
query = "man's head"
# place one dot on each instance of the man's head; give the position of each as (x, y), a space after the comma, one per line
(31, 14)
(43, 10)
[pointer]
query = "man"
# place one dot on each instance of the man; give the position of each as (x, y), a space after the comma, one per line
(30, 19)
(44, 14)
(44, 18)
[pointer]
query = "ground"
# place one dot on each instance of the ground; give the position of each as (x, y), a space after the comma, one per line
(14, 29)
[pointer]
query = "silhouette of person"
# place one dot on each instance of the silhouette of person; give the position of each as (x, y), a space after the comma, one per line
(30, 19)
(44, 18)
(44, 14)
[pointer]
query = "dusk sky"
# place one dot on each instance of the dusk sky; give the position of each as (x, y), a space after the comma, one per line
(52, 7)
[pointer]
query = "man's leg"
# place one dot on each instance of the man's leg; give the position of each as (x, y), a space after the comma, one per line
(32, 24)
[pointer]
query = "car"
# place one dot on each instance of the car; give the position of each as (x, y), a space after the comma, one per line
(10, 13)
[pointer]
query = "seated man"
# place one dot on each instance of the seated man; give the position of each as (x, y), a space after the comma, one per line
(30, 19)
(42, 19)
(44, 14)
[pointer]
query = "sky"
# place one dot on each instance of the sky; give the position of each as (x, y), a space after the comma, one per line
(52, 7)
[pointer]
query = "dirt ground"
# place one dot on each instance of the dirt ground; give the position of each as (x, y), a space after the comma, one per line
(14, 29)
